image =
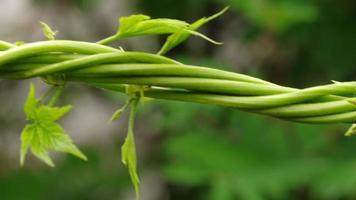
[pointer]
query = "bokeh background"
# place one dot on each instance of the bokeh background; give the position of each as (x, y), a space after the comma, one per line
(190, 151)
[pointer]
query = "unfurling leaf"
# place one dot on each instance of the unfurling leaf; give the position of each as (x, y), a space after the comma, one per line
(31, 103)
(128, 151)
(43, 133)
(351, 131)
(137, 25)
(141, 25)
(180, 36)
(117, 114)
(48, 32)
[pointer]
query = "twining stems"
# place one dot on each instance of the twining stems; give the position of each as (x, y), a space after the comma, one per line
(66, 46)
(315, 113)
(139, 74)
(110, 68)
(29, 70)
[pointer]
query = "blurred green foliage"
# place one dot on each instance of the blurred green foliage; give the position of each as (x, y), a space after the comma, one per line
(73, 179)
(276, 15)
(239, 156)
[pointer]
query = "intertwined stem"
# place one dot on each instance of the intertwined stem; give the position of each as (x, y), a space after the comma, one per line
(109, 68)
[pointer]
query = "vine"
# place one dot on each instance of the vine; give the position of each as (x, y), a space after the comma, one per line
(141, 75)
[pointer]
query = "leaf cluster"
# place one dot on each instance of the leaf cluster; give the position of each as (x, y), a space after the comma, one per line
(178, 31)
(42, 133)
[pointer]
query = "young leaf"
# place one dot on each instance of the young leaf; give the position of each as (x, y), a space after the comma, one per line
(180, 36)
(117, 114)
(31, 103)
(137, 25)
(140, 25)
(48, 32)
(128, 151)
(42, 133)
(351, 131)
(128, 24)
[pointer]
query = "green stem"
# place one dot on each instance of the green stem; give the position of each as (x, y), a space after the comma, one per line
(134, 103)
(222, 100)
(56, 95)
(109, 40)
(28, 50)
(228, 87)
(163, 70)
(47, 94)
(109, 68)
(5, 45)
(33, 70)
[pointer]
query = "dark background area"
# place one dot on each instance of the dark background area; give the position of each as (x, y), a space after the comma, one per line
(191, 151)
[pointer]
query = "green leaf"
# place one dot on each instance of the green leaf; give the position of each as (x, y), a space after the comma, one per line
(117, 114)
(137, 25)
(26, 138)
(48, 32)
(47, 113)
(31, 103)
(42, 133)
(180, 36)
(128, 23)
(141, 25)
(351, 131)
(129, 159)
(128, 151)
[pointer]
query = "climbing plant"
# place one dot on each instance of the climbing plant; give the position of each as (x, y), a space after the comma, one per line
(145, 76)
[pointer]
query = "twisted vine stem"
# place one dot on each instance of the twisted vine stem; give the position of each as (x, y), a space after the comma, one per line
(141, 74)
(109, 68)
